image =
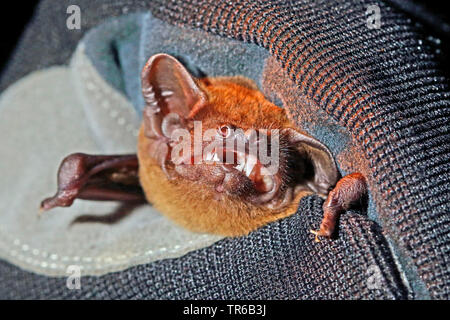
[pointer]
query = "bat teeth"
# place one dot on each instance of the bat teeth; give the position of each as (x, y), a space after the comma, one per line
(216, 158)
(240, 166)
(241, 161)
(268, 183)
(209, 156)
(267, 179)
(166, 93)
(245, 163)
(212, 156)
(249, 165)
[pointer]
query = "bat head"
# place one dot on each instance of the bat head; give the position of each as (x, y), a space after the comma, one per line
(216, 156)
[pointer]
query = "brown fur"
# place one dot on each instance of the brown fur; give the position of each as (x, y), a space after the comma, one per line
(231, 101)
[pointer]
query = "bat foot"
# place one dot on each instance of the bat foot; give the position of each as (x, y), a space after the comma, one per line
(320, 233)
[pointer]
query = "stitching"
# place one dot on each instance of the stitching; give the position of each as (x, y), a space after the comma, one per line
(102, 98)
(24, 252)
(46, 260)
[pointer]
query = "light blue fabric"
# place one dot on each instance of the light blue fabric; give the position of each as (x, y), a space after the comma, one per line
(120, 47)
(113, 48)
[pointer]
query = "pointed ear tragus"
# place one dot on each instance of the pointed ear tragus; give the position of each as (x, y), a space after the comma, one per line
(168, 87)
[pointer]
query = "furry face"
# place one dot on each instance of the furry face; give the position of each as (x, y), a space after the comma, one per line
(220, 185)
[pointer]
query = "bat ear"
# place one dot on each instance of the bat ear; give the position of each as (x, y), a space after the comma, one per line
(168, 87)
(325, 173)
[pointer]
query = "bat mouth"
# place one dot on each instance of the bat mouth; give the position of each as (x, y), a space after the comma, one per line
(233, 172)
(246, 164)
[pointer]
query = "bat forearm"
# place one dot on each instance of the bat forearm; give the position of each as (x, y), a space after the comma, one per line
(91, 177)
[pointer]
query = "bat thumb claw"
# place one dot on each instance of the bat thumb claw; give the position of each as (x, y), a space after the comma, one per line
(316, 233)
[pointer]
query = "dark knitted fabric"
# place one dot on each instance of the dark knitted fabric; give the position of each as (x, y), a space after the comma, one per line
(47, 41)
(384, 85)
(271, 263)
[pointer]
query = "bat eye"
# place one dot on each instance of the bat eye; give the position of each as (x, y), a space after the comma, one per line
(225, 131)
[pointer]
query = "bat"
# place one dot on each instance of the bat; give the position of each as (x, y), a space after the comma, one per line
(214, 155)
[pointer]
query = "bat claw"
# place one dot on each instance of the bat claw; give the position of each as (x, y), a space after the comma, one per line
(319, 233)
(40, 212)
(316, 233)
